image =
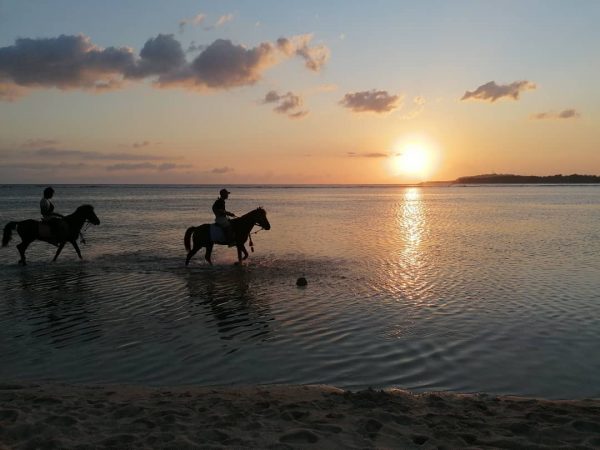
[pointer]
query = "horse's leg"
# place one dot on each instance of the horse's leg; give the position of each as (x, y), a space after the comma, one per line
(239, 251)
(58, 250)
(22, 247)
(209, 248)
(192, 252)
(76, 247)
(245, 252)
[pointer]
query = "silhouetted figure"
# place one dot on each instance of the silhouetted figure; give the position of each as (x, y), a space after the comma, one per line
(47, 206)
(221, 215)
(51, 223)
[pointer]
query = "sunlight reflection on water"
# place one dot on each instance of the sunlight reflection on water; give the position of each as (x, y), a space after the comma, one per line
(465, 289)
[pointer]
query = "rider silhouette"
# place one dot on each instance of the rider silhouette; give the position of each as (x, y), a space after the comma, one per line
(46, 205)
(49, 216)
(221, 215)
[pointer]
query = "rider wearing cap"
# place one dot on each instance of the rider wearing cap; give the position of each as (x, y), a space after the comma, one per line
(221, 214)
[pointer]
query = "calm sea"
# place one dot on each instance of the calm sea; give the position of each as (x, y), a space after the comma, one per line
(468, 289)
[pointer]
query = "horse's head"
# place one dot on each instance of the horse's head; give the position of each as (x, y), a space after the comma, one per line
(87, 212)
(260, 217)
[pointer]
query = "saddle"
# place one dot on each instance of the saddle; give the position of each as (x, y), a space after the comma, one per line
(217, 235)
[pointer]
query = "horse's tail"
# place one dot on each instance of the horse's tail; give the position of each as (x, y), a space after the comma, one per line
(188, 238)
(8, 233)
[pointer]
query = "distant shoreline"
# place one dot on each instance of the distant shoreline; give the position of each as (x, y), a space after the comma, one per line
(487, 179)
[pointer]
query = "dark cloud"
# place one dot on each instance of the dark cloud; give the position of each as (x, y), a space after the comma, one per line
(51, 152)
(565, 114)
(288, 104)
(159, 55)
(371, 101)
(64, 62)
(220, 170)
(146, 166)
(73, 62)
(368, 155)
(141, 144)
(492, 91)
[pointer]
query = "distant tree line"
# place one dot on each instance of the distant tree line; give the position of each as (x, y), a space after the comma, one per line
(524, 179)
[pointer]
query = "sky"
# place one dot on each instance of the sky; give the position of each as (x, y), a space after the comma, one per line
(275, 92)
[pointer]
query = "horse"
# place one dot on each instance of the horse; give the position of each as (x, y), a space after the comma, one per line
(241, 228)
(57, 231)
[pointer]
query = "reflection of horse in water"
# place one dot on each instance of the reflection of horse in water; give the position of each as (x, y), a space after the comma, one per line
(201, 235)
(56, 231)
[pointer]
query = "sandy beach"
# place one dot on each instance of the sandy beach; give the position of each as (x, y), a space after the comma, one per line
(275, 416)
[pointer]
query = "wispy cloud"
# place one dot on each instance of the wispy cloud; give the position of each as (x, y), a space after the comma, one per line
(146, 166)
(314, 57)
(221, 170)
(371, 101)
(37, 143)
(223, 20)
(368, 155)
(289, 104)
(44, 167)
(74, 62)
(51, 152)
(551, 115)
(140, 144)
(198, 19)
(491, 91)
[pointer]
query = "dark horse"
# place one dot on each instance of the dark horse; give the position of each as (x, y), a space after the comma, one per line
(65, 229)
(241, 228)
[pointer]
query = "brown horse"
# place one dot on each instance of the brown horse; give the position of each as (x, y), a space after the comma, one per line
(57, 231)
(241, 228)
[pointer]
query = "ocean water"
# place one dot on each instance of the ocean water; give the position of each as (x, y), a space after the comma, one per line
(468, 289)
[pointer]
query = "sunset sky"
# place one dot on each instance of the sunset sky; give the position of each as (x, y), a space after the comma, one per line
(296, 92)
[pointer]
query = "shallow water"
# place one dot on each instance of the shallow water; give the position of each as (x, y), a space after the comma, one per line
(467, 289)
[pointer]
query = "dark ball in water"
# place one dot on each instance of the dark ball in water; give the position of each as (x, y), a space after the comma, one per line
(301, 281)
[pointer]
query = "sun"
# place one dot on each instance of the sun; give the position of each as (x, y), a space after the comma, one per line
(414, 159)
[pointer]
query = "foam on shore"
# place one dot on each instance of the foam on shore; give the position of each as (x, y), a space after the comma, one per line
(275, 416)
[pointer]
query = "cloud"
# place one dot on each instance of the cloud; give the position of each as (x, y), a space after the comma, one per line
(565, 114)
(492, 91)
(44, 167)
(198, 19)
(223, 20)
(288, 104)
(73, 62)
(368, 155)
(37, 143)
(371, 101)
(314, 57)
(65, 62)
(146, 166)
(52, 152)
(159, 55)
(141, 144)
(220, 170)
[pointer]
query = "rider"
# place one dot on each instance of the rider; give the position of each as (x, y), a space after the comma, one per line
(47, 207)
(48, 214)
(221, 214)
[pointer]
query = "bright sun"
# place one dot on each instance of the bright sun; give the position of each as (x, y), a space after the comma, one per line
(414, 159)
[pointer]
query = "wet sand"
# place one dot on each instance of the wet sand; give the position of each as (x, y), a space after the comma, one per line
(275, 416)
